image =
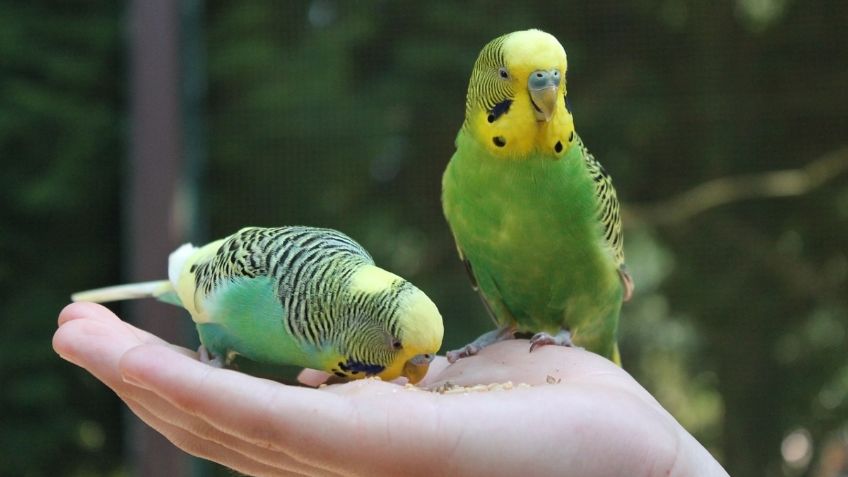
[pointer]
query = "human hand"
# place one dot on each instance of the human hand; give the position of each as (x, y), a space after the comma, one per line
(595, 421)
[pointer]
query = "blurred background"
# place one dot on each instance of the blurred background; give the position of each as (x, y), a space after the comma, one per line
(127, 128)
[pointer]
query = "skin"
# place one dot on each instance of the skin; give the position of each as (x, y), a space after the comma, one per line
(595, 421)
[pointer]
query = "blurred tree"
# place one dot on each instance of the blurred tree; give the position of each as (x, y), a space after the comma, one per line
(327, 113)
(348, 115)
(61, 94)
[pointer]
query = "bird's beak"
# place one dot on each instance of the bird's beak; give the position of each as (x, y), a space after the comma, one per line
(416, 368)
(544, 86)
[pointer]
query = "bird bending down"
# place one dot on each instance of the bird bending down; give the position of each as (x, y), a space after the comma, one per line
(298, 296)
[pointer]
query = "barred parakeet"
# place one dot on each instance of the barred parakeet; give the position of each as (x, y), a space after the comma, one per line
(299, 296)
(534, 214)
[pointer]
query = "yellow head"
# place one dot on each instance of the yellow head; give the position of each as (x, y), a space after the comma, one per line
(516, 96)
(421, 332)
(400, 330)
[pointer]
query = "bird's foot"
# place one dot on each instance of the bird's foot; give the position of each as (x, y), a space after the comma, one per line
(626, 283)
(563, 338)
(486, 339)
(206, 357)
(468, 350)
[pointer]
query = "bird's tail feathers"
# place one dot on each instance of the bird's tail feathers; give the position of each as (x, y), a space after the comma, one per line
(616, 355)
(161, 289)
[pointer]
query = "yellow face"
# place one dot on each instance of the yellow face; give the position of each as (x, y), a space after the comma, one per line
(421, 337)
(400, 343)
(516, 97)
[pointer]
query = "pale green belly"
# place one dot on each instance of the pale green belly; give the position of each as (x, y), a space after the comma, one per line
(247, 319)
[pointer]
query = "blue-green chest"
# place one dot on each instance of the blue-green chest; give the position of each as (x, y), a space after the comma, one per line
(247, 318)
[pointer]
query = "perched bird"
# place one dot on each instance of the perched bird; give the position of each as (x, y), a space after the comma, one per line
(299, 296)
(534, 215)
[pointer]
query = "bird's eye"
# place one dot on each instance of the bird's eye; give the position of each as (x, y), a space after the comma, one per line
(396, 344)
(503, 73)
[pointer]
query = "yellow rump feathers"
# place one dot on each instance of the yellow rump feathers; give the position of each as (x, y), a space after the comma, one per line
(179, 266)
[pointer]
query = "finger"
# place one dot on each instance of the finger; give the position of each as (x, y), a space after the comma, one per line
(93, 337)
(312, 377)
(101, 314)
(76, 311)
(97, 342)
(97, 312)
(192, 443)
(306, 424)
(93, 344)
(149, 405)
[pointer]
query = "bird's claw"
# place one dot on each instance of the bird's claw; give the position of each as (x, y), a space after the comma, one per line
(464, 352)
(563, 338)
(206, 357)
(486, 339)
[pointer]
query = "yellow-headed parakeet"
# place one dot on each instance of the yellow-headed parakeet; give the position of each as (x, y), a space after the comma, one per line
(299, 296)
(534, 215)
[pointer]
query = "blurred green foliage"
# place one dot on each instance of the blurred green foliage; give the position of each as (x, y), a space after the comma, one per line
(327, 113)
(61, 114)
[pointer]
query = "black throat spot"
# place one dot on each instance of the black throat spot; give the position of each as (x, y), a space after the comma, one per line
(499, 110)
(355, 366)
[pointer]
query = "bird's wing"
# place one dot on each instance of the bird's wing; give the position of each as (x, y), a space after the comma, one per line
(609, 214)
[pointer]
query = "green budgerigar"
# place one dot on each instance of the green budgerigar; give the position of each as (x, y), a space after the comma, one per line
(534, 215)
(298, 296)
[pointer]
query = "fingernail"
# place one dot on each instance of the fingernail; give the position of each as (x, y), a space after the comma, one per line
(130, 379)
(69, 359)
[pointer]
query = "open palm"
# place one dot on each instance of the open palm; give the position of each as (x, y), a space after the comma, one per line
(581, 415)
